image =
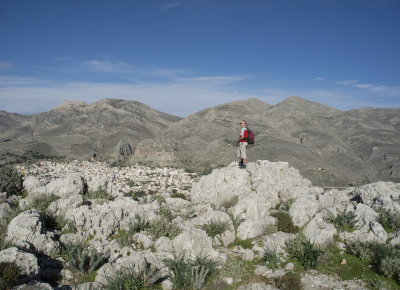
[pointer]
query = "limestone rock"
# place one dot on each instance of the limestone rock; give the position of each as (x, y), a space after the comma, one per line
(26, 262)
(254, 209)
(62, 205)
(194, 243)
(5, 209)
(303, 209)
(27, 231)
(319, 231)
(72, 184)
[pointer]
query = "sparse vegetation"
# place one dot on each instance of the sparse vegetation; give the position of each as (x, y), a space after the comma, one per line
(289, 281)
(385, 259)
(389, 220)
(10, 180)
(285, 223)
(9, 275)
(271, 257)
(237, 220)
(303, 252)
(100, 193)
(215, 229)
(146, 277)
(344, 221)
(188, 273)
(285, 206)
(79, 258)
(237, 268)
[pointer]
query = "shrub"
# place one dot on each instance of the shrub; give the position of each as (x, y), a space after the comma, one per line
(289, 281)
(215, 229)
(389, 220)
(163, 228)
(79, 257)
(285, 223)
(10, 180)
(385, 259)
(236, 220)
(179, 195)
(271, 257)
(138, 224)
(285, 206)
(100, 193)
(237, 268)
(303, 251)
(344, 221)
(9, 275)
(130, 278)
(186, 273)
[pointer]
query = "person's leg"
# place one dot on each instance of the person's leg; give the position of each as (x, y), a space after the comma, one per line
(243, 146)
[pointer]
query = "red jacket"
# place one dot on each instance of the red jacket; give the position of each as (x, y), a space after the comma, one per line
(245, 136)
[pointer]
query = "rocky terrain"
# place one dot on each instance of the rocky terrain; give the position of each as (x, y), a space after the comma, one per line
(328, 146)
(81, 224)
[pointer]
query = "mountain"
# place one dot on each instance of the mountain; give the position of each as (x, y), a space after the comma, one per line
(328, 146)
(78, 130)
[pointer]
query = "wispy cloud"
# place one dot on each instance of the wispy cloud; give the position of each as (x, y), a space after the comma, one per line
(214, 79)
(348, 83)
(63, 58)
(319, 79)
(382, 89)
(107, 66)
(5, 65)
(169, 5)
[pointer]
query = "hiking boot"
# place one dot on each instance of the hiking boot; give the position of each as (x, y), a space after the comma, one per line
(241, 163)
(243, 166)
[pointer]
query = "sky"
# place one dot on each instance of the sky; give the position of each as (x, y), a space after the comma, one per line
(182, 56)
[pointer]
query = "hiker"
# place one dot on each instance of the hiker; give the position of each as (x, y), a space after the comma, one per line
(243, 138)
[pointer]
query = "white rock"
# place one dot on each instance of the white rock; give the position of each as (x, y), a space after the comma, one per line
(303, 209)
(72, 184)
(27, 231)
(319, 231)
(256, 214)
(5, 209)
(62, 205)
(194, 243)
(26, 262)
(34, 285)
(380, 194)
(277, 241)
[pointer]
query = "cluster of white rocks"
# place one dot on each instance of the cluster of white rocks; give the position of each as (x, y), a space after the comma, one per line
(250, 195)
(115, 180)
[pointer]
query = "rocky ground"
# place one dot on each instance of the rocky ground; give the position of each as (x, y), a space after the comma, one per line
(251, 223)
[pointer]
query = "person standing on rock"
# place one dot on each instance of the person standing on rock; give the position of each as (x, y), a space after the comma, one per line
(241, 151)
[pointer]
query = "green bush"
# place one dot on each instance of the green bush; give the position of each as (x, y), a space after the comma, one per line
(344, 221)
(186, 273)
(285, 206)
(289, 281)
(271, 257)
(138, 224)
(236, 220)
(285, 223)
(100, 193)
(163, 228)
(215, 229)
(389, 220)
(385, 259)
(237, 268)
(78, 257)
(301, 250)
(145, 277)
(10, 180)
(9, 275)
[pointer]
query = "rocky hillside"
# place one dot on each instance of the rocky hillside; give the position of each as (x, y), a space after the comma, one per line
(330, 147)
(94, 226)
(107, 128)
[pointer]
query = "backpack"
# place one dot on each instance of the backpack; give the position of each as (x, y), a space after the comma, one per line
(250, 138)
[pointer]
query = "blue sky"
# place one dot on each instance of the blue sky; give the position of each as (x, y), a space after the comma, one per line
(181, 56)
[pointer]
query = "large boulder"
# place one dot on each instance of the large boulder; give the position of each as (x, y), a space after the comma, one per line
(380, 194)
(27, 231)
(26, 262)
(303, 209)
(71, 184)
(194, 243)
(254, 209)
(319, 231)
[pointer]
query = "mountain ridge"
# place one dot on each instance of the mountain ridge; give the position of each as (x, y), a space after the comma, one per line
(327, 145)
